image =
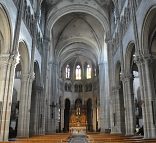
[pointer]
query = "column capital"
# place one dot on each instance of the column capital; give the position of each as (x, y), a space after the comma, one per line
(32, 76)
(9, 59)
(127, 76)
(138, 60)
(141, 59)
(14, 59)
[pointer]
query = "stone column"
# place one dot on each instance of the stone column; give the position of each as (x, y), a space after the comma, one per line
(151, 133)
(7, 66)
(7, 70)
(103, 99)
(94, 117)
(62, 118)
(146, 84)
(42, 110)
(116, 125)
(110, 74)
(54, 95)
(139, 61)
(28, 102)
(22, 119)
(123, 79)
(112, 111)
(145, 81)
(37, 111)
(129, 104)
(49, 102)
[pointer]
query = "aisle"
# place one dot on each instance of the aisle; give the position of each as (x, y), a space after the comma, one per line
(78, 139)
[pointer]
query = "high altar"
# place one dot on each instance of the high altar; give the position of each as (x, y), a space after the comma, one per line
(78, 122)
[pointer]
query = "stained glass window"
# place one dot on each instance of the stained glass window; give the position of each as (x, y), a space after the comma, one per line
(78, 72)
(67, 71)
(88, 71)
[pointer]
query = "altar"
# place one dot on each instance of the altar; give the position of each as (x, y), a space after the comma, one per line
(77, 124)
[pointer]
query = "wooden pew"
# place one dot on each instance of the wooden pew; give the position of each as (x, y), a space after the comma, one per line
(55, 138)
(115, 138)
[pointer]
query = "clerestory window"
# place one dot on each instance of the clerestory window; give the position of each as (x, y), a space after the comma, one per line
(78, 72)
(67, 71)
(88, 72)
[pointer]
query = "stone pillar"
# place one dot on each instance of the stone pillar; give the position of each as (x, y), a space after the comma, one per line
(41, 124)
(94, 117)
(110, 75)
(104, 124)
(129, 104)
(116, 125)
(22, 119)
(49, 102)
(145, 81)
(62, 118)
(28, 104)
(151, 133)
(126, 108)
(54, 95)
(7, 70)
(146, 84)
(138, 60)
(37, 110)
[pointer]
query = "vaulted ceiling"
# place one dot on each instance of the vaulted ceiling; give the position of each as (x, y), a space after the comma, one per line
(78, 34)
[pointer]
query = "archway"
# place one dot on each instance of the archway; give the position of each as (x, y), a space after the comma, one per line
(66, 115)
(21, 70)
(89, 115)
(132, 86)
(5, 32)
(148, 93)
(6, 75)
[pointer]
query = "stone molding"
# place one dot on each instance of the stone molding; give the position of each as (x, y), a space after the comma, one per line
(141, 59)
(6, 59)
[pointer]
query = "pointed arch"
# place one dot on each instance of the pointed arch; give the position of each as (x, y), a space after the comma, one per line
(5, 31)
(24, 57)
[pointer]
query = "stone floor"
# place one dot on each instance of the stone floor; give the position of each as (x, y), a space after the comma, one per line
(78, 139)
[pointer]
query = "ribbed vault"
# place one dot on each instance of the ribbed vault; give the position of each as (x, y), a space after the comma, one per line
(77, 34)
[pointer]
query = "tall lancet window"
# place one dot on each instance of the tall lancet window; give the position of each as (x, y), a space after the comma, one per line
(88, 71)
(78, 72)
(67, 71)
